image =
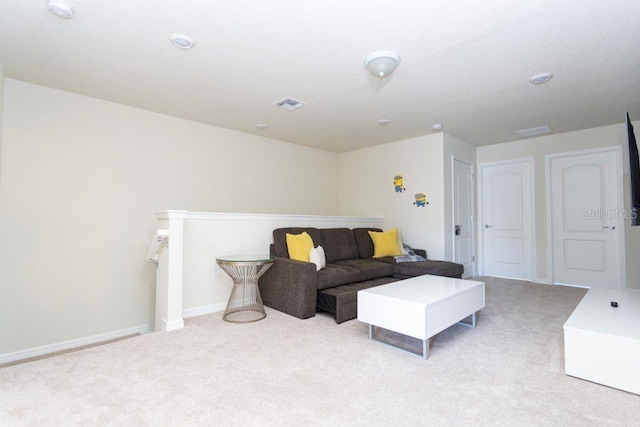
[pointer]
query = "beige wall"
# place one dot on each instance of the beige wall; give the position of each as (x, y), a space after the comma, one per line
(81, 179)
(366, 188)
(538, 148)
(1, 105)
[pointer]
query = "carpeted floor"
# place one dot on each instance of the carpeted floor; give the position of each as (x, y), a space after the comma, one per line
(286, 371)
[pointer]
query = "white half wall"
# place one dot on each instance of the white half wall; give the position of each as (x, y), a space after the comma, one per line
(366, 189)
(211, 235)
(80, 181)
(538, 148)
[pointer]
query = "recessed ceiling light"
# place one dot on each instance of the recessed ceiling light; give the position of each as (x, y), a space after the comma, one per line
(437, 126)
(541, 78)
(181, 41)
(60, 8)
(383, 122)
(262, 126)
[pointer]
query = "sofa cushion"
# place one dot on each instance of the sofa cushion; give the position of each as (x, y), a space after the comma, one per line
(436, 268)
(338, 244)
(387, 259)
(299, 246)
(364, 242)
(386, 243)
(280, 238)
(316, 256)
(335, 275)
(370, 269)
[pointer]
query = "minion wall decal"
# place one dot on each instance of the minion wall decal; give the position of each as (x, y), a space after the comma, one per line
(421, 200)
(397, 183)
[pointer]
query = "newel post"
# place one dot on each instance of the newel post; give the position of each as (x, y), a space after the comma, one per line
(170, 272)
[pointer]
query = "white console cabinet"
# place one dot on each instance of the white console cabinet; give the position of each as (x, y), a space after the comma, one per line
(602, 343)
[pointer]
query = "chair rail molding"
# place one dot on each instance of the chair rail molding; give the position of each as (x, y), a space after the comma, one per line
(217, 216)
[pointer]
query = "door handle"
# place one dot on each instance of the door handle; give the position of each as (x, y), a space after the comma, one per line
(609, 227)
(488, 226)
(457, 229)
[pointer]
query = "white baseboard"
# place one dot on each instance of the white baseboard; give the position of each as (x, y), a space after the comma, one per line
(572, 286)
(176, 324)
(202, 310)
(541, 281)
(172, 325)
(66, 345)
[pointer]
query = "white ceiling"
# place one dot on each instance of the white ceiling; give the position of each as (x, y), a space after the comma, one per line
(465, 63)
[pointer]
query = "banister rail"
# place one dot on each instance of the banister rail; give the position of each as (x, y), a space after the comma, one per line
(160, 240)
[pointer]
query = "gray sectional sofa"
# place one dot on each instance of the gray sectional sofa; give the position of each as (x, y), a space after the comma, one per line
(296, 288)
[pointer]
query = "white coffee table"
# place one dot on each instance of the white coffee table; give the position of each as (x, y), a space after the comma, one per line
(602, 343)
(420, 307)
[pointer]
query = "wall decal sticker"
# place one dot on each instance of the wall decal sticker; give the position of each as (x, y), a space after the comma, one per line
(397, 183)
(421, 200)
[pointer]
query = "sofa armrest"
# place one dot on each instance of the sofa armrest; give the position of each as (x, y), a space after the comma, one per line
(291, 287)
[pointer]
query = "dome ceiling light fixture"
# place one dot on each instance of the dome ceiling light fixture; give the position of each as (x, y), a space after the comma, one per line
(382, 63)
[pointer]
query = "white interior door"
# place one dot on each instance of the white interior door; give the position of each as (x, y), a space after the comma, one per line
(463, 216)
(507, 238)
(586, 219)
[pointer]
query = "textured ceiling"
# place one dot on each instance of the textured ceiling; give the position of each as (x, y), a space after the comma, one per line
(465, 64)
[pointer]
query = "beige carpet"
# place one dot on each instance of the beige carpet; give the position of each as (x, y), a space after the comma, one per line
(286, 371)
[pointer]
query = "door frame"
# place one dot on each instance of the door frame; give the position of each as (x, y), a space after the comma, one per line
(474, 262)
(617, 149)
(481, 166)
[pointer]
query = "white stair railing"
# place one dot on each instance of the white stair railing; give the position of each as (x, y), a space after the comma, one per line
(160, 240)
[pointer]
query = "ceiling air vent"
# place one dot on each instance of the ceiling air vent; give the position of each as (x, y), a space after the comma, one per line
(534, 131)
(289, 104)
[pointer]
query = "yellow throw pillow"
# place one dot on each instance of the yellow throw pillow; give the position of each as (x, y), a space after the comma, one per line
(299, 246)
(385, 243)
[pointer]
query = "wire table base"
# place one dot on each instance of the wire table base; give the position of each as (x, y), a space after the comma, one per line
(245, 303)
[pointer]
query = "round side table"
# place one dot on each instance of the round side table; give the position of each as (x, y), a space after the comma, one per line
(245, 303)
